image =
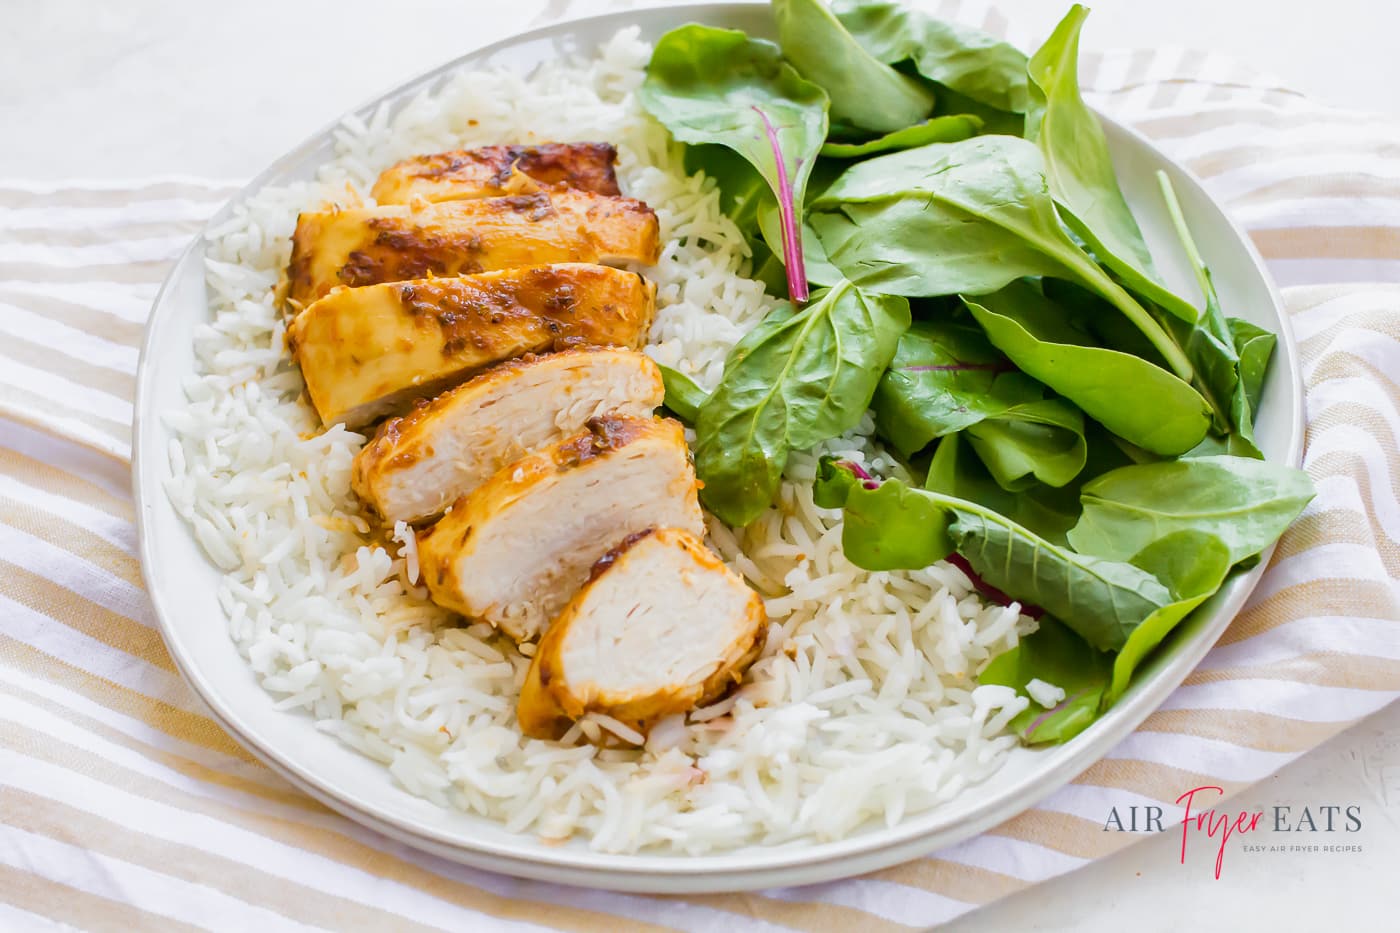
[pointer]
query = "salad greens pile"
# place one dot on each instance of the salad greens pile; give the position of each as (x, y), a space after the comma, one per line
(942, 215)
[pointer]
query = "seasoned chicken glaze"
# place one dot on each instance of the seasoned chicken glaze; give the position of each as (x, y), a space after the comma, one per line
(366, 352)
(487, 172)
(367, 245)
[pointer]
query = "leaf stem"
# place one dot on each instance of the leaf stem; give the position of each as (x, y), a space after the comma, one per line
(787, 212)
(1214, 317)
(1183, 233)
(1120, 299)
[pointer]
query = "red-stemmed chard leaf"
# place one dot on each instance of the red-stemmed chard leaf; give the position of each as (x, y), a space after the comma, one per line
(787, 210)
(989, 591)
(719, 87)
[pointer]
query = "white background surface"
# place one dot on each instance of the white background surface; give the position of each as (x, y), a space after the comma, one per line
(217, 89)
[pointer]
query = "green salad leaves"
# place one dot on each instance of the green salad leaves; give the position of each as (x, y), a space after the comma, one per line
(865, 92)
(798, 378)
(1076, 433)
(1080, 172)
(718, 86)
(963, 218)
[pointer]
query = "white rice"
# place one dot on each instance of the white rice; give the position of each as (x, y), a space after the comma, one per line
(1046, 695)
(864, 706)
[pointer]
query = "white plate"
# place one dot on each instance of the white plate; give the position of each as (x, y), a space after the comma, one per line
(182, 582)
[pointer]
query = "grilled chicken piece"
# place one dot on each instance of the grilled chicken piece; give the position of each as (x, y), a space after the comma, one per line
(365, 245)
(486, 172)
(660, 628)
(367, 352)
(419, 464)
(515, 550)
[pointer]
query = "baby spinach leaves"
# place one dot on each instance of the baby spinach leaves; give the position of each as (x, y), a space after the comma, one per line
(1232, 355)
(1080, 171)
(1030, 330)
(864, 91)
(1102, 600)
(1154, 541)
(1194, 565)
(1055, 655)
(1037, 442)
(718, 86)
(946, 377)
(1085, 434)
(947, 129)
(799, 377)
(966, 217)
(1241, 502)
(966, 60)
(683, 396)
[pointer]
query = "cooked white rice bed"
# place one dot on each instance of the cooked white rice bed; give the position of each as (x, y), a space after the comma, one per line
(864, 706)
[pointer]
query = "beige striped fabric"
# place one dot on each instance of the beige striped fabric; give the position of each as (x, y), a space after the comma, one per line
(122, 806)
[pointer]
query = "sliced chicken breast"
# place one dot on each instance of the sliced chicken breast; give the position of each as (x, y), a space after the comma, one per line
(366, 245)
(514, 551)
(368, 352)
(661, 627)
(487, 172)
(419, 464)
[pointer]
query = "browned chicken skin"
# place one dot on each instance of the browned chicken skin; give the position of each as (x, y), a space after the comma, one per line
(661, 626)
(367, 352)
(367, 245)
(419, 464)
(516, 549)
(486, 172)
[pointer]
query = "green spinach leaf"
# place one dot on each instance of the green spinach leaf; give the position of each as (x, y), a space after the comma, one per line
(1108, 385)
(799, 377)
(864, 91)
(948, 129)
(1231, 355)
(1037, 442)
(1244, 503)
(1194, 565)
(1055, 654)
(944, 377)
(718, 86)
(1102, 600)
(1255, 346)
(1047, 511)
(887, 525)
(967, 60)
(966, 217)
(683, 396)
(1079, 169)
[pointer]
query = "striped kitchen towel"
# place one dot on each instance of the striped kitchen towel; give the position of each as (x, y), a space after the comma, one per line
(122, 806)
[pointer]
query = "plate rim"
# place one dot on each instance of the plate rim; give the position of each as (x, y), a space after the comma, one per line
(753, 866)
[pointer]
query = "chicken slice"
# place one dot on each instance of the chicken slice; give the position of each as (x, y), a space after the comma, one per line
(419, 464)
(661, 627)
(486, 172)
(514, 551)
(367, 352)
(365, 245)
